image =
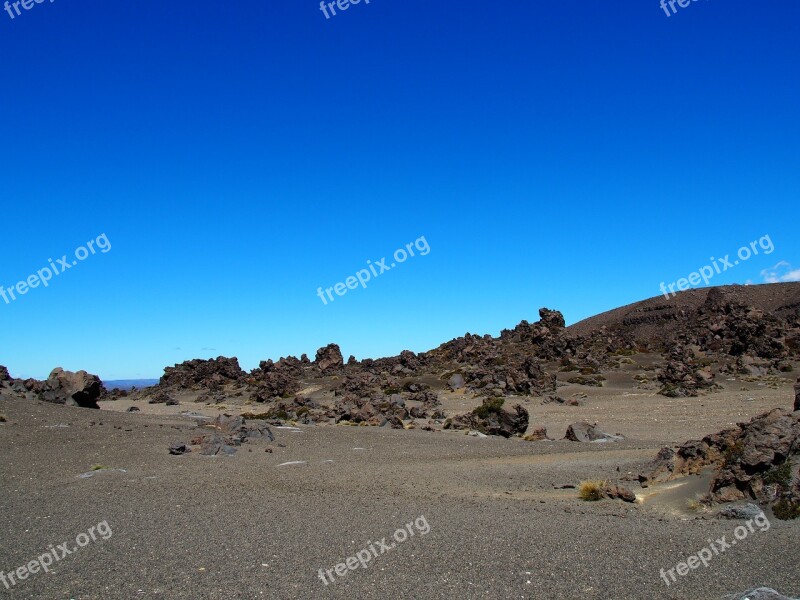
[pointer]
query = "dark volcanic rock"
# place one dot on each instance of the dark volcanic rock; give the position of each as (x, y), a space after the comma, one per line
(281, 379)
(212, 445)
(491, 418)
(682, 376)
(617, 492)
(758, 460)
(329, 359)
(583, 431)
(209, 374)
(4, 375)
(229, 432)
(178, 448)
(552, 319)
(65, 387)
(161, 397)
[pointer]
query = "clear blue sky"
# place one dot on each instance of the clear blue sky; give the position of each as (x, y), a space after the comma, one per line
(240, 155)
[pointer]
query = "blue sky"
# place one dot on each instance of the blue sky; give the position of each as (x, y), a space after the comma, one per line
(238, 156)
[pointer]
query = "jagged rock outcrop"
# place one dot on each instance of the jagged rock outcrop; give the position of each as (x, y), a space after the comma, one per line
(227, 432)
(277, 380)
(329, 359)
(378, 411)
(682, 376)
(210, 374)
(758, 460)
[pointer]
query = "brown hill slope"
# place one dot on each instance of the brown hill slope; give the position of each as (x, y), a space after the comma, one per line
(659, 320)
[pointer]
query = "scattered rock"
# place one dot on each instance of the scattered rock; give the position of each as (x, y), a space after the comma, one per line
(133, 409)
(743, 512)
(160, 397)
(178, 448)
(583, 431)
(537, 435)
(617, 492)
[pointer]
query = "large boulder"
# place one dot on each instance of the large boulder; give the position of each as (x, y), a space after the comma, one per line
(491, 418)
(73, 389)
(329, 359)
(4, 375)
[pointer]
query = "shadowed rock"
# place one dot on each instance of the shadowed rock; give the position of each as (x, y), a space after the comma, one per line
(65, 387)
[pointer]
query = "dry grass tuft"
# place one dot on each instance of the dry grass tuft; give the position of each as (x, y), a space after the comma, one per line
(592, 490)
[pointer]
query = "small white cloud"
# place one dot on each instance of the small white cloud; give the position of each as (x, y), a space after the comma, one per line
(781, 273)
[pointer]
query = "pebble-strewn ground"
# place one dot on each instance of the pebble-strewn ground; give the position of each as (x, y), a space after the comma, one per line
(245, 527)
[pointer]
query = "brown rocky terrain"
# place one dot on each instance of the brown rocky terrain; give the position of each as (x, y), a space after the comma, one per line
(298, 452)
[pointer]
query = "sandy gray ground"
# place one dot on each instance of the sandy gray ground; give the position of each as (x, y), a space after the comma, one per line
(244, 527)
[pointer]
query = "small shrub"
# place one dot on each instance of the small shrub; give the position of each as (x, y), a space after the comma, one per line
(591, 490)
(391, 390)
(786, 509)
(99, 467)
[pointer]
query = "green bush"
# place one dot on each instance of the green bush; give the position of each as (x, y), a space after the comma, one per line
(489, 406)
